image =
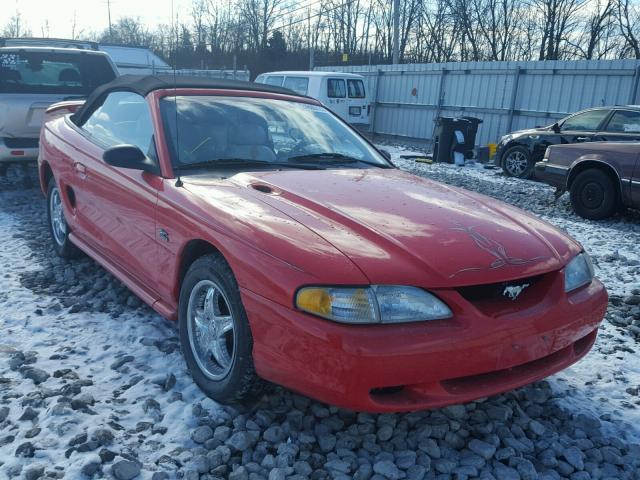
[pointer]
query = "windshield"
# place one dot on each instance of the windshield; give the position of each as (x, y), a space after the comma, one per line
(51, 72)
(217, 130)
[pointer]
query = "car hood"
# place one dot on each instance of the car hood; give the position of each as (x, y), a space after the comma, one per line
(400, 228)
(531, 131)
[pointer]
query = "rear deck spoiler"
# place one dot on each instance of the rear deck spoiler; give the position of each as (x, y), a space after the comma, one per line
(62, 108)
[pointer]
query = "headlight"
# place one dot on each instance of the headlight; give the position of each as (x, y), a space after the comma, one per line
(506, 139)
(375, 304)
(578, 272)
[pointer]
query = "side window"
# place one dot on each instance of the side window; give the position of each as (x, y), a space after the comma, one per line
(355, 88)
(260, 79)
(297, 84)
(624, 121)
(275, 80)
(336, 88)
(587, 121)
(123, 118)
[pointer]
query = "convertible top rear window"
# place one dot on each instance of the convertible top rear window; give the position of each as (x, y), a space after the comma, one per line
(53, 72)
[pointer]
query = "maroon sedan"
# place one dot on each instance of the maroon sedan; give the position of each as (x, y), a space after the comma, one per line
(601, 177)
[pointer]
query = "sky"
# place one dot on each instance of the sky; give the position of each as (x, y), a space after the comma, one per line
(91, 15)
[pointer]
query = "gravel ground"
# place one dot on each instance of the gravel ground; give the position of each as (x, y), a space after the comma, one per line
(92, 383)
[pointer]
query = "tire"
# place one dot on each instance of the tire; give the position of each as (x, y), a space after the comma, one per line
(58, 228)
(517, 162)
(594, 195)
(236, 382)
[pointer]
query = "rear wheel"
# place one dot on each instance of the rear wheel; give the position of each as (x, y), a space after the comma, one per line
(517, 162)
(215, 335)
(58, 227)
(594, 194)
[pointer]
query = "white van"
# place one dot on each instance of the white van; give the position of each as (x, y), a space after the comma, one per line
(344, 93)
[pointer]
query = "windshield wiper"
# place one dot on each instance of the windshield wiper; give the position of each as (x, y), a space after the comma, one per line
(331, 157)
(232, 162)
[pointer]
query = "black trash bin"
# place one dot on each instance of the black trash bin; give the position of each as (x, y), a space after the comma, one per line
(470, 135)
(445, 141)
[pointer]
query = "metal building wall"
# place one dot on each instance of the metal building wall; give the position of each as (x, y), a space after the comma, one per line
(506, 95)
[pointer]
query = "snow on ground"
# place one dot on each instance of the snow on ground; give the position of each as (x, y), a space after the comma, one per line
(126, 382)
(92, 383)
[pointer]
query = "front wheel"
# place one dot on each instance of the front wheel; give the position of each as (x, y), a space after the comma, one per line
(58, 227)
(215, 335)
(517, 162)
(594, 195)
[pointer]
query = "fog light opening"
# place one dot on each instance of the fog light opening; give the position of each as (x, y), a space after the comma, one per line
(384, 391)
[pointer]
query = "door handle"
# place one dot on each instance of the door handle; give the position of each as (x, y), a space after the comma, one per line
(80, 169)
(582, 139)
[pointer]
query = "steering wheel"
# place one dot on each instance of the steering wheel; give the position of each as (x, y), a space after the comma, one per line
(301, 148)
(190, 154)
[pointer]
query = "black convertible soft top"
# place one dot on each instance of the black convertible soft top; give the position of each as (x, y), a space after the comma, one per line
(144, 84)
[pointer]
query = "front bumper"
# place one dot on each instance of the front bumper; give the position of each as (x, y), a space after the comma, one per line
(554, 175)
(478, 353)
(18, 150)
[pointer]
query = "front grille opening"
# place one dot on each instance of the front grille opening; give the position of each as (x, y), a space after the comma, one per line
(532, 370)
(584, 344)
(496, 291)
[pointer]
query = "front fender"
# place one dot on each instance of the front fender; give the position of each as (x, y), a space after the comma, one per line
(269, 253)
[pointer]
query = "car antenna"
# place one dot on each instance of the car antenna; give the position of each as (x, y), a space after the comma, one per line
(175, 96)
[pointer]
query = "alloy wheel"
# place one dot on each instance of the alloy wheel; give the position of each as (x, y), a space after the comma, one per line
(58, 222)
(516, 163)
(211, 331)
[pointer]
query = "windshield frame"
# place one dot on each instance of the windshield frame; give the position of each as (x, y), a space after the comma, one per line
(163, 147)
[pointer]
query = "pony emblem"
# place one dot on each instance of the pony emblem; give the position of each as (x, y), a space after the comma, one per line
(514, 291)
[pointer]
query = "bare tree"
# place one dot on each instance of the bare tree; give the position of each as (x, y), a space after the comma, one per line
(219, 32)
(129, 31)
(597, 36)
(435, 34)
(628, 14)
(557, 21)
(16, 28)
(259, 16)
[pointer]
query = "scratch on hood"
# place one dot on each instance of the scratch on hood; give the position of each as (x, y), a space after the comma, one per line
(494, 248)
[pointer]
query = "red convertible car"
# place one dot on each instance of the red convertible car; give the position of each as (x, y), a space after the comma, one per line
(291, 250)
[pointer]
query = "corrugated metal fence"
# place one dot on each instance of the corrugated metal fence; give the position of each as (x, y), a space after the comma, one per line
(506, 95)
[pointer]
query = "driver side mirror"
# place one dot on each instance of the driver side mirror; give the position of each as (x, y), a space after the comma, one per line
(129, 156)
(555, 127)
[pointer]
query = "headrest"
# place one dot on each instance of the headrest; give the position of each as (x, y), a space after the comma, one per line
(10, 74)
(250, 134)
(68, 75)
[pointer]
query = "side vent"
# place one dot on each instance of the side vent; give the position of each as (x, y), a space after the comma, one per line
(71, 195)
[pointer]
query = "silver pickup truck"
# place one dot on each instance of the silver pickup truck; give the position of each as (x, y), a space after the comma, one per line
(31, 79)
